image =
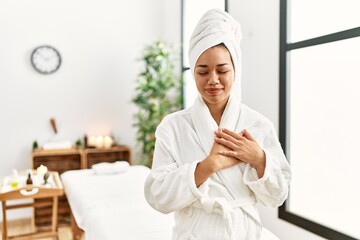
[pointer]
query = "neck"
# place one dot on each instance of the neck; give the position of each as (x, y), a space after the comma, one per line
(217, 110)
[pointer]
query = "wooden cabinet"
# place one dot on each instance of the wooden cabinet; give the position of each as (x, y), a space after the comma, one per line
(94, 155)
(71, 159)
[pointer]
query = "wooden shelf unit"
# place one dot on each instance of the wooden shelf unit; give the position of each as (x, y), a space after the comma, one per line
(93, 155)
(52, 192)
(71, 159)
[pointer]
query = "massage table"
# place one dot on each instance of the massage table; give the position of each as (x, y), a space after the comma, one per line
(113, 206)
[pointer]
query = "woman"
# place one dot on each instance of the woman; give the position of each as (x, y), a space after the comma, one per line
(215, 160)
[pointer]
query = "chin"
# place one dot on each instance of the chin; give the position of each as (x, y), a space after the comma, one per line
(215, 99)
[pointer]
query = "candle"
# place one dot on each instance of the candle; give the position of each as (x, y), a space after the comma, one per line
(108, 141)
(41, 170)
(92, 141)
(99, 141)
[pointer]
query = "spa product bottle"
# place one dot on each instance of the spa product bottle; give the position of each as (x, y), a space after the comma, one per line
(14, 182)
(85, 141)
(29, 180)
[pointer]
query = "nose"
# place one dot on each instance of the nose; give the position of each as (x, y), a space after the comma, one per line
(213, 78)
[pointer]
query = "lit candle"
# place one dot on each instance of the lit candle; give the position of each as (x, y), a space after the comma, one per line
(41, 170)
(92, 141)
(99, 141)
(108, 141)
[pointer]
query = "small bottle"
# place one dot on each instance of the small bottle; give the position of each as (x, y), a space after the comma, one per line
(29, 180)
(14, 182)
(85, 141)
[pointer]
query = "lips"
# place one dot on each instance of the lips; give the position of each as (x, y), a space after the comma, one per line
(213, 90)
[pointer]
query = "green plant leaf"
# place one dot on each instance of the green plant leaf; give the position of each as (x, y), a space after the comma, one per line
(158, 93)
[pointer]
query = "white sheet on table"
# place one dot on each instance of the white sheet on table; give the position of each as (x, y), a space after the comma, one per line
(113, 206)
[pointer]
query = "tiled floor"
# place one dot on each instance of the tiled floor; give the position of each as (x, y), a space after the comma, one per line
(22, 226)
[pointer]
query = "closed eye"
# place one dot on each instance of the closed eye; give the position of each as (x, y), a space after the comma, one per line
(202, 73)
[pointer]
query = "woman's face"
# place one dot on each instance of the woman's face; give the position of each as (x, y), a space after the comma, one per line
(214, 75)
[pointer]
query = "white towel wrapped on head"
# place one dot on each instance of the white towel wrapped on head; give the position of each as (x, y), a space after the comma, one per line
(110, 168)
(216, 27)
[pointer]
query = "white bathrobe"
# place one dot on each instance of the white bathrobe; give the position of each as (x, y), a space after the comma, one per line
(223, 207)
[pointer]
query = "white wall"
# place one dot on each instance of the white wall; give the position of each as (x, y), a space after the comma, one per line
(260, 83)
(100, 42)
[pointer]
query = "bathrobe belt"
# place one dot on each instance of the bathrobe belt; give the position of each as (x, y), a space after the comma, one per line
(224, 207)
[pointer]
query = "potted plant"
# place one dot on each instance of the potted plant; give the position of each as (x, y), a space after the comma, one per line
(158, 93)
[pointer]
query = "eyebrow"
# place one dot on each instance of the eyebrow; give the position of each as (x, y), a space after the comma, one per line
(205, 66)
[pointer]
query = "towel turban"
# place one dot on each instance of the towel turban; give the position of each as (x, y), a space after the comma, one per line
(215, 27)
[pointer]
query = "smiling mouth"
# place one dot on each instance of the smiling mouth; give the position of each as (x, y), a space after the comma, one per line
(213, 90)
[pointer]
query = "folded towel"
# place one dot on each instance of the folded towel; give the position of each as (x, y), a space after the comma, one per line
(217, 26)
(110, 168)
(57, 145)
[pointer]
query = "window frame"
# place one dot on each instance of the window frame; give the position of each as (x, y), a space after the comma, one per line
(284, 123)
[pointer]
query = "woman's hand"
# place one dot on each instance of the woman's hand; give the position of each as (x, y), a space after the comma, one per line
(214, 162)
(219, 160)
(243, 147)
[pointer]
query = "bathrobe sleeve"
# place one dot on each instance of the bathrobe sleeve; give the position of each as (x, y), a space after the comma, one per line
(170, 185)
(272, 189)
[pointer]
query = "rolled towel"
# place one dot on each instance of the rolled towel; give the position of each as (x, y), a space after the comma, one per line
(110, 168)
(57, 145)
(217, 26)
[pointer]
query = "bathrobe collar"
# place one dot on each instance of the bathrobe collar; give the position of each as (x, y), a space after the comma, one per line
(205, 125)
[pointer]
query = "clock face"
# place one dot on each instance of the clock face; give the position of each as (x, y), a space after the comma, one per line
(45, 59)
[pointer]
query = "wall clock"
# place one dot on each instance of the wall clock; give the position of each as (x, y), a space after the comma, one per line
(46, 59)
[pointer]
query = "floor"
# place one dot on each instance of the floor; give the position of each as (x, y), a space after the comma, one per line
(22, 226)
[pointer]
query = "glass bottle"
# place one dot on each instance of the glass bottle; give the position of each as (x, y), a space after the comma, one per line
(29, 180)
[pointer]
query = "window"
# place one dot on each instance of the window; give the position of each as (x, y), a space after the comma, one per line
(319, 114)
(192, 10)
